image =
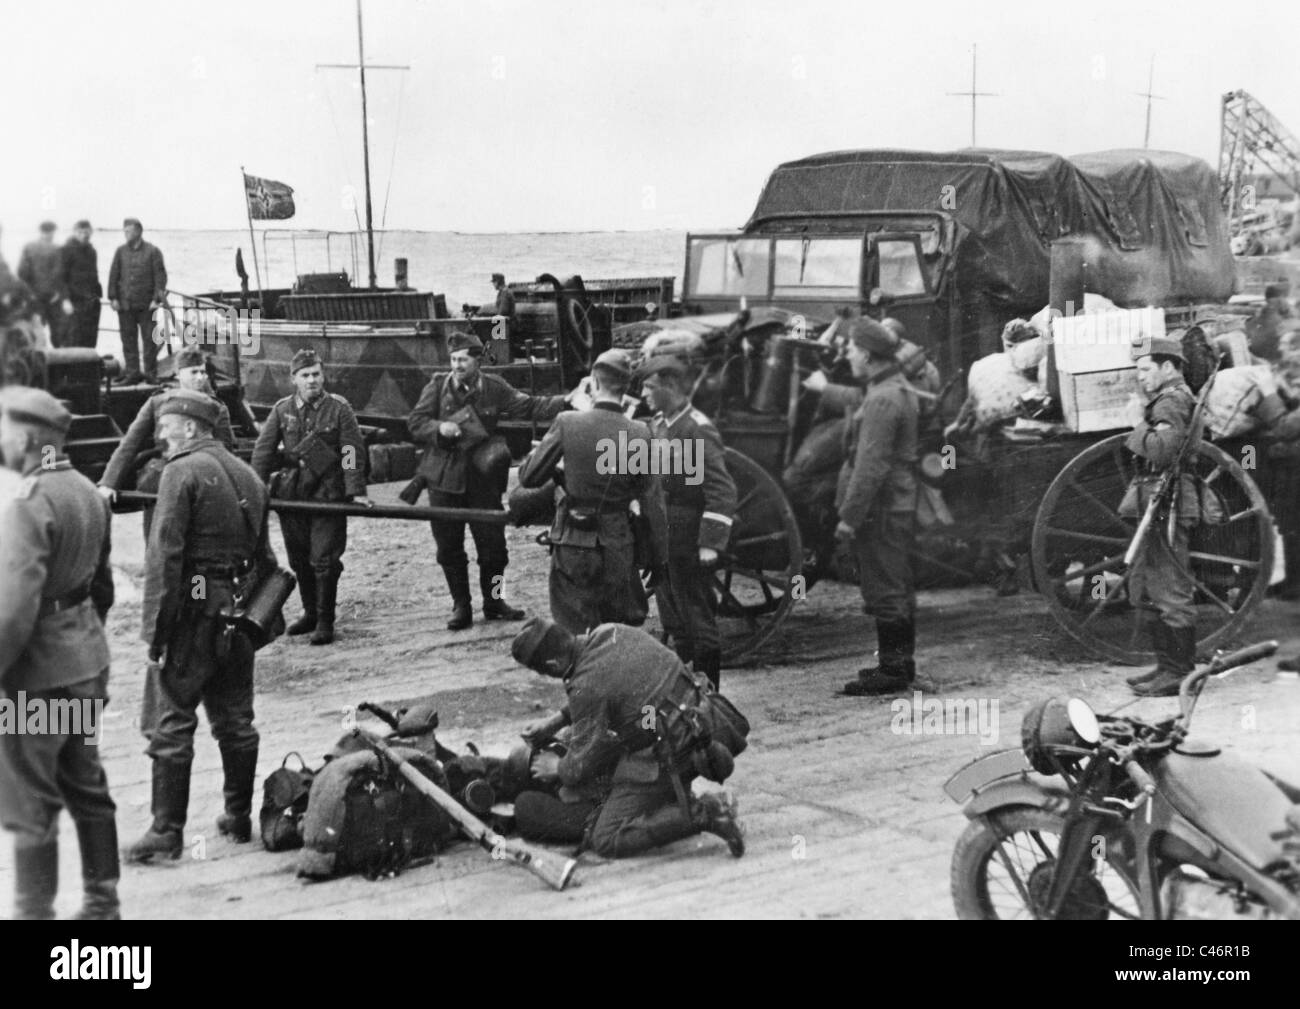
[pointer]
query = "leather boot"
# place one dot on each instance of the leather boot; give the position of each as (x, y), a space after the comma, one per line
(36, 881)
(895, 643)
(100, 871)
(1160, 645)
(171, 801)
(462, 612)
(240, 770)
(327, 587)
(1179, 660)
(715, 813)
(494, 607)
(709, 662)
(306, 623)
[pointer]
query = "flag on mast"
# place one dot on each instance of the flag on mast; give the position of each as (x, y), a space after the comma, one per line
(268, 200)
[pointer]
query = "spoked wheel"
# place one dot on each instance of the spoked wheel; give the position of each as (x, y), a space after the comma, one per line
(1002, 868)
(1079, 543)
(754, 582)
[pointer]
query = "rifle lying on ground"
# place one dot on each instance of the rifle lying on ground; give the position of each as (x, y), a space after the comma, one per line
(556, 872)
(1169, 479)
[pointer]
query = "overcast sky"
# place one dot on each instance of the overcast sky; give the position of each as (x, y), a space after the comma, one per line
(551, 115)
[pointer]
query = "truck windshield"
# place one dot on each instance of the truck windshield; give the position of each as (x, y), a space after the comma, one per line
(729, 266)
(900, 270)
(818, 267)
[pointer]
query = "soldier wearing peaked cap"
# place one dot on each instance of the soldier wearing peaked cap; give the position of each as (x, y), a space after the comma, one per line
(618, 799)
(466, 464)
(700, 506)
(316, 434)
(55, 591)
(209, 531)
(1160, 581)
(876, 501)
(594, 574)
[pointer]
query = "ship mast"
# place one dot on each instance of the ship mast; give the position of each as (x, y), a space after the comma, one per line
(361, 67)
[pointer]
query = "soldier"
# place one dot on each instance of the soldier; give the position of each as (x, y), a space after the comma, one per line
(467, 465)
(701, 506)
(138, 446)
(1160, 581)
(56, 589)
(209, 529)
(326, 456)
(591, 453)
(137, 284)
(82, 291)
(612, 676)
(876, 500)
(40, 268)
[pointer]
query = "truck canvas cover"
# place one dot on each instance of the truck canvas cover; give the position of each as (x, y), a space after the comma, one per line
(1158, 233)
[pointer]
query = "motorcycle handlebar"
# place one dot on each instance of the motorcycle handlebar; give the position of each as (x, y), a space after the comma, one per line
(1221, 664)
(1139, 776)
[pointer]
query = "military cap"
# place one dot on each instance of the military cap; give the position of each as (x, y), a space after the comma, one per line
(305, 358)
(543, 645)
(132, 222)
(663, 364)
(191, 357)
(49, 226)
(499, 276)
(870, 336)
(189, 403)
(465, 341)
(35, 406)
(615, 360)
(1144, 345)
(83, 223)
(895, 327)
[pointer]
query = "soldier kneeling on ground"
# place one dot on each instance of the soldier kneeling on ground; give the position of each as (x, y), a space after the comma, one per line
(617, 797)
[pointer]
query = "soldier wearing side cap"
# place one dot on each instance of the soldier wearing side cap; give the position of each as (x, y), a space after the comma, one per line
(55, 592)
(617, 802)
(1160, 581)
(209, 530)
(701, 508)
(138, 454)
(466, 464)
(317, 433)
(876, 502)
(592, 453)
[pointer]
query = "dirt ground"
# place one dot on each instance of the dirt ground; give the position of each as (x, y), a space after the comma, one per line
(845, 814)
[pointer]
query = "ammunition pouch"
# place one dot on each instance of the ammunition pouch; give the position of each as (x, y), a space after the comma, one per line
(694, 731)
(284, 484)
(585, 520)
(316, 457)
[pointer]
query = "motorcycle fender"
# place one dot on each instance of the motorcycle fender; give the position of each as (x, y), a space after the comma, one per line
(1034, 791)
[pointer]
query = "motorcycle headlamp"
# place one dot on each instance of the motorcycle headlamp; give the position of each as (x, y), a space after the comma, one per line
(1054, 723)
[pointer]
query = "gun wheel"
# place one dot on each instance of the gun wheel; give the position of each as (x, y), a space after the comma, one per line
(1079, 542)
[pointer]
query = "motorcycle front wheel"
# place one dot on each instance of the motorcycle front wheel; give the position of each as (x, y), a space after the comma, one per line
(1002, 867)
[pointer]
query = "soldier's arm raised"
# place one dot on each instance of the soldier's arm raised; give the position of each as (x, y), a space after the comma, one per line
(841, 399)
(268, 440)
(543, 461)
(24, 561)
(521, 406)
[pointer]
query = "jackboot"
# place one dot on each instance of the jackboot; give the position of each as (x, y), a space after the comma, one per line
(171, 802)
(715, 813)
(1180, 660)
(100, 870)
(1160, 644)
(36, 881)
(709, 662)
(462, 612)
(240, 770)
(895, 645)
(494, 607)
(327, 587)
(306, 623)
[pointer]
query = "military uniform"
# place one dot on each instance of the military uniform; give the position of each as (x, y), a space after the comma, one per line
(699, 516)
(624, 803)
(330, 467)
(594, 576)
(56, 589)
(471, 472)
(1160, 581)
(209, 528)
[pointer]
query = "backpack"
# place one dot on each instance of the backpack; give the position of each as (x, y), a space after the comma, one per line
(285, 793)
(363, 816)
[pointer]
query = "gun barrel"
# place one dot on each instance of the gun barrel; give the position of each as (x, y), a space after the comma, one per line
(421, 513)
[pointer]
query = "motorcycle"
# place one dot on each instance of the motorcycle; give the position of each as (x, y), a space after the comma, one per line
(1104, 816)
